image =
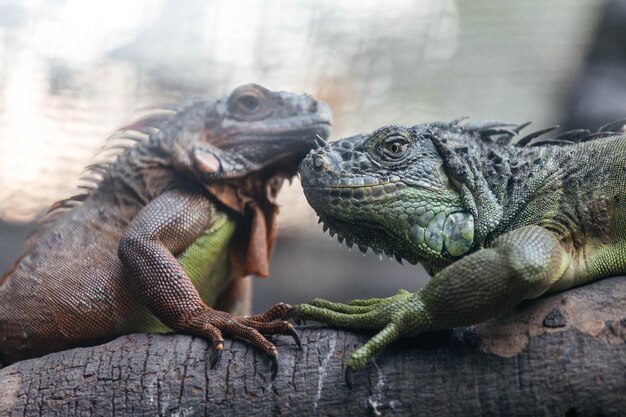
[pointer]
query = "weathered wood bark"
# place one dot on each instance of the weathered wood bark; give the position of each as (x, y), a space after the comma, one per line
(564, 355)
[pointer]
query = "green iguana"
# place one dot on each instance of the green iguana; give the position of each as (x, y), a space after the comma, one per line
(495, 220)
(172, 228)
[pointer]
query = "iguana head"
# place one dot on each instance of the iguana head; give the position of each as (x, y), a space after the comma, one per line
(249, 132)
(389, 190)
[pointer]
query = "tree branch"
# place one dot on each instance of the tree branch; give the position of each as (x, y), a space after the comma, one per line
(561, 355)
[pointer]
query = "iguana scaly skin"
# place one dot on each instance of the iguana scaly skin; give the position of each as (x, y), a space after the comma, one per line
(172, 228)
(494, 220)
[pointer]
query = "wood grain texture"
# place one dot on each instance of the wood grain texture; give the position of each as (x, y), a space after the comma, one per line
(563, 355)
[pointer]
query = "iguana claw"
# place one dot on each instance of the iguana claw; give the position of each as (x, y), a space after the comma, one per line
(295, 337)
(348, 374)
(216, 358)
(274, 368)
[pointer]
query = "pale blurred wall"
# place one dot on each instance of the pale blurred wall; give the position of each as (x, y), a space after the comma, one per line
(598, 93)
(71, 71)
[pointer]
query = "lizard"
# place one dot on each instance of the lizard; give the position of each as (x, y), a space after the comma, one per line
(495, 218)
(165, 238)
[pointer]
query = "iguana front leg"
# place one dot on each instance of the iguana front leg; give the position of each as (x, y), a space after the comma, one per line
(519, 265)
(164, 227)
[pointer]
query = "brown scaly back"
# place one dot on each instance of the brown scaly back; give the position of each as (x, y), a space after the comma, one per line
(125, 138)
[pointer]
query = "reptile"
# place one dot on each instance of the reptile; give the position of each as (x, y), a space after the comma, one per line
(495, 218)
(166, 237)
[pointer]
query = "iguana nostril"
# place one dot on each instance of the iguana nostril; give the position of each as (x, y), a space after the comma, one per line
(313, 106)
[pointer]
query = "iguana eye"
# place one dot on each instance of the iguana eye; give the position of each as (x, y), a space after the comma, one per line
(249, 102)
(394, 147)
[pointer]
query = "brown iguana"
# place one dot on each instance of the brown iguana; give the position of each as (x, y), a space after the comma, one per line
(172, 228)
(496, 219)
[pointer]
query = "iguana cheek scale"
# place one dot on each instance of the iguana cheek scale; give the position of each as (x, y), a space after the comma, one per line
(495, 219)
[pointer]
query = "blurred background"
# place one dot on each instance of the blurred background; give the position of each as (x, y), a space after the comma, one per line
(72, 71)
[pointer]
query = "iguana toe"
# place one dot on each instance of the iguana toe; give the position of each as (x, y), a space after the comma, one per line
(401, 314)
(277, 311)
(344, 308)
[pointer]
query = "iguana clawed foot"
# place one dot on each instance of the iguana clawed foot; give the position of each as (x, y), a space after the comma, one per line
(400, 315)
(212, 323)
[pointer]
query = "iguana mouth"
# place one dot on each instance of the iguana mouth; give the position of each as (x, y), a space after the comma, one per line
(321, 127)
(344, 193)
(273, 152)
